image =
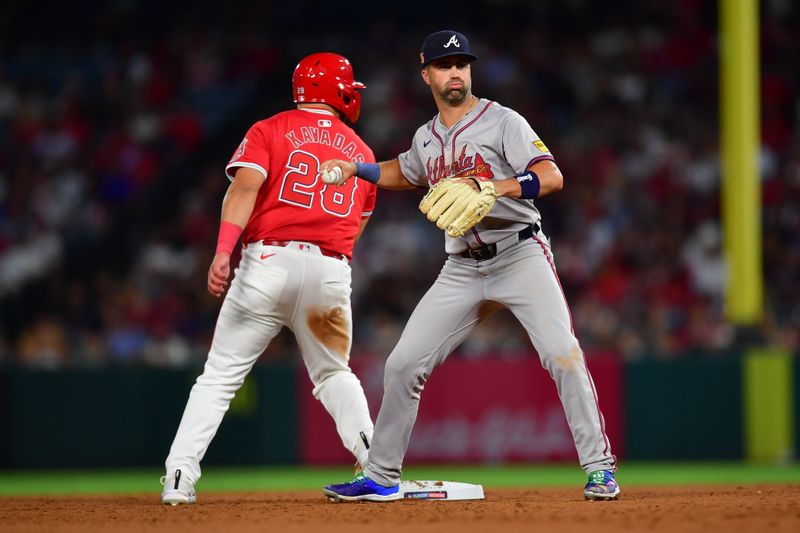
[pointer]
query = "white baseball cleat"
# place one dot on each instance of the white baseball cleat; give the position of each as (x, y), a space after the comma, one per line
(178, 489)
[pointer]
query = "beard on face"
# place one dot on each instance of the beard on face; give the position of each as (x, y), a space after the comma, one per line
(454, 96)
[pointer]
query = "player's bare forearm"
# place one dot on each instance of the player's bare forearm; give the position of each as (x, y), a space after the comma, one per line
(550, 181)
(390, 175)
(237, 206)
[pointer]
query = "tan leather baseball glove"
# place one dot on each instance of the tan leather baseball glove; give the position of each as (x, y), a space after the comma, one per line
(455, 206)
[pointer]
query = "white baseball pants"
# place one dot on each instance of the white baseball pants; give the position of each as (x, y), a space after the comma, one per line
(294, 286)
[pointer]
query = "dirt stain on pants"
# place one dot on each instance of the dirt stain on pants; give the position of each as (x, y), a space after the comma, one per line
(330, 327)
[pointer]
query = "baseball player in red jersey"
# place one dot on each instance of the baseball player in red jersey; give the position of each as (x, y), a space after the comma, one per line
(298, 234)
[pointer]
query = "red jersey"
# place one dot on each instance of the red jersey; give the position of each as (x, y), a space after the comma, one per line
(294, 204)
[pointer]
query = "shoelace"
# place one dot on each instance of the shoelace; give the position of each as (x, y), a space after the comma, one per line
(358, 479)
(598, 477)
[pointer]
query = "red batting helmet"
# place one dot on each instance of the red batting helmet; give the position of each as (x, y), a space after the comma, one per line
(328, 78)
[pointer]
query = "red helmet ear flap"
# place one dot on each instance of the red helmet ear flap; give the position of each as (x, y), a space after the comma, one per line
(352, 101)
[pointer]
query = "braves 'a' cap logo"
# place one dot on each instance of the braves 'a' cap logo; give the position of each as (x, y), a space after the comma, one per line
(452, 41)
(443, 44)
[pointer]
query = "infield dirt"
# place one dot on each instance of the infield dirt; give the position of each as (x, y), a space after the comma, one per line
(773, 508)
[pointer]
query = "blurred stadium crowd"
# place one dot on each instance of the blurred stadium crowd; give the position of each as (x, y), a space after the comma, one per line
(117, 119)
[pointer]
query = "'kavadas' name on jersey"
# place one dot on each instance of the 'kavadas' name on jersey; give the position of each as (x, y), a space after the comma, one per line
(464, 167)
(310, 134)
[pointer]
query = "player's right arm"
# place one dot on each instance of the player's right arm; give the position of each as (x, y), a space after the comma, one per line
(237, 206)
(389, 174)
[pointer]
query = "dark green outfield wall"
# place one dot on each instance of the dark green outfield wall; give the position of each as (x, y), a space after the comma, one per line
(690, 408)
(684, 409)
(121, 417)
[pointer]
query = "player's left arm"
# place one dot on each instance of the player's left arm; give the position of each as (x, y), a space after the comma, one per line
(237, 206)
(522, 148)
(550, 180)
(240, 199)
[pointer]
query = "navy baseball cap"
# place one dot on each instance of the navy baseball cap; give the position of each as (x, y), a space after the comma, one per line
(443, 44)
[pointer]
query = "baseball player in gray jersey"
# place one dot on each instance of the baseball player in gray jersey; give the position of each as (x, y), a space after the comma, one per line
(505, 258)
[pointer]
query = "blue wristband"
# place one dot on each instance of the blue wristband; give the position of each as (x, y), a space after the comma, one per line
(530, 184)
(368, 171)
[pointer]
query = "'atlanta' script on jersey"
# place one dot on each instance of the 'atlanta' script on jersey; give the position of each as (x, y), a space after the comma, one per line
(463, 167)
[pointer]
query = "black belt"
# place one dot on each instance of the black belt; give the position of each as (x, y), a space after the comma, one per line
(490, 250)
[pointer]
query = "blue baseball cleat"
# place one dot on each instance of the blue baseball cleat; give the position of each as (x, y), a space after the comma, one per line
(360, 489)
(601, 486)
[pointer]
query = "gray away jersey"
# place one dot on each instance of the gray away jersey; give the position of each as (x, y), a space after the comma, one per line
(492, 142)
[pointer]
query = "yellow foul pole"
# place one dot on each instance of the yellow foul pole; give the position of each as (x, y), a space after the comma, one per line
(740, 136)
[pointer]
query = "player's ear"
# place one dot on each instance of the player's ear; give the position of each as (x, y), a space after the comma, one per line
(425, 76)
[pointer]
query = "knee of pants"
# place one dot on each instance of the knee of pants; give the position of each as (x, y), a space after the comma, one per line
(562, 356)
(217, 374)
(332, 378)
(404, 371)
